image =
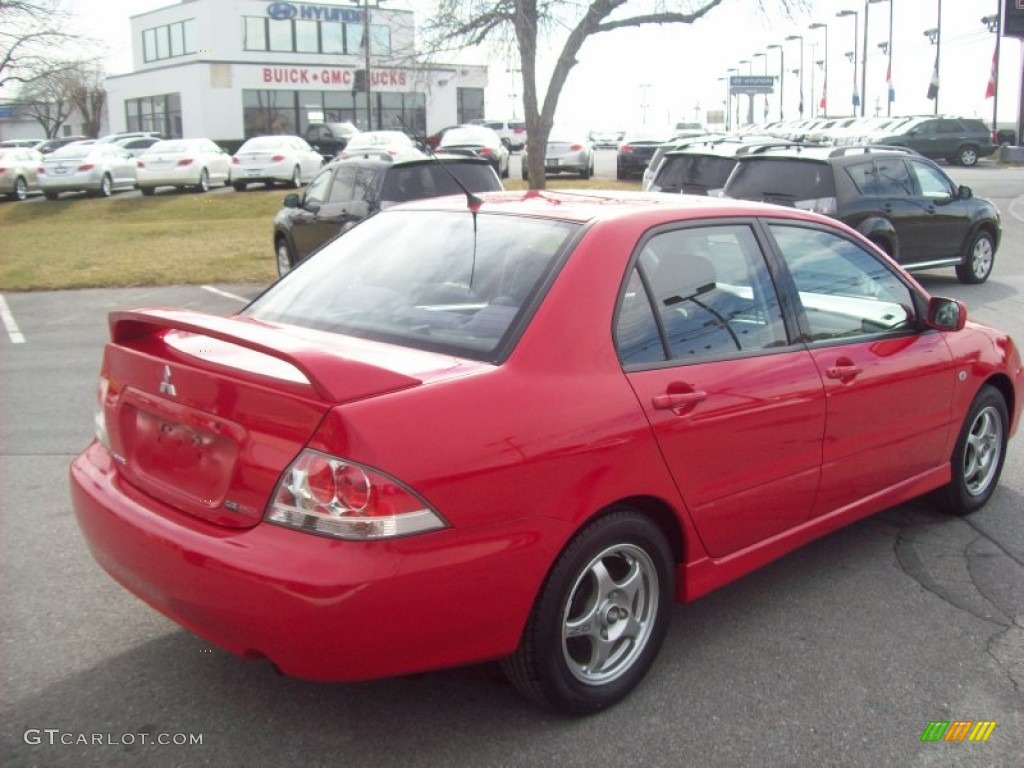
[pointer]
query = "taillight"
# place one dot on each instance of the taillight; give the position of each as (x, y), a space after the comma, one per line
(334, 497)
(485, 151)
(185, 161)
(235, 161)
(3, 170)
(518, 130)
(625, 149)
(139, 164)
(576, 148)
(100, 418)
(86, 167)
(40, 169)
(277, 158)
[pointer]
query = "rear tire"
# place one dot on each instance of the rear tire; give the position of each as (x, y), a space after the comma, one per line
(296, 180)
(967, 156)
(51, 195)
(978, 456)
(20, 190)
(147, 191)
(106, 186)
(600, 617)
(979, 259)
(239, 186)
(204, 181)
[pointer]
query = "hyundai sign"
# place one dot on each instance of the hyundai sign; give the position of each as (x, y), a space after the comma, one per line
(752, 84)
(287, 11)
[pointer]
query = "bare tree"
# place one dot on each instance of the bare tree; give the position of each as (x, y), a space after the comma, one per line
(46, 97)
(88, 95)
(524, 23)
(29, 30)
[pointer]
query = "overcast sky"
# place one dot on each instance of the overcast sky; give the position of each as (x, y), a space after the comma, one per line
(667, 74)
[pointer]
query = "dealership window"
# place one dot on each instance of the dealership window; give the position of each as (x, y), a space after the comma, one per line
(312, 36)
(155, 113)
(291, 112)
(169, 41)
(470, 104)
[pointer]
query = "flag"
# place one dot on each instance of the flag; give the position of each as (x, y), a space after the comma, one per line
(823, 104)
(933, 86)
(888, 83)
(766, 108)
(990, 92)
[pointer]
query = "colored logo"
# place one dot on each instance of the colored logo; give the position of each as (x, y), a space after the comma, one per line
(282, 11)
(958, 730)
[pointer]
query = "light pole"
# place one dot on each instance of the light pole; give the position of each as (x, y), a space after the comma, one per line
(750, 97)
(801, 70)
(782, 77)
(856, 33)
(993, 24)
(643, 102)
(934, 36)
(515, 96)
(823, 103)
(764, 61)
(886, 50)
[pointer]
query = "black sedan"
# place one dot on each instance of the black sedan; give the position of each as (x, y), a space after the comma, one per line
(636, 150)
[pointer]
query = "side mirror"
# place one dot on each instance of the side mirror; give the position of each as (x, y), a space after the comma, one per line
(946, 314)
(291, 200)
(964, 192)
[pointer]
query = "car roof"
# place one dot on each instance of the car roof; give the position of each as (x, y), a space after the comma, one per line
(386, 161)
(606, 205)
(823, 154)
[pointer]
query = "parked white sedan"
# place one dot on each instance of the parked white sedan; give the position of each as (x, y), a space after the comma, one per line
(567, 153)
(98, 169)
(19, 170)
(195, 163)
(268, 159)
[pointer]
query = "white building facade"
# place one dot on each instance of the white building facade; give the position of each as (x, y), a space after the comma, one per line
(232, 69)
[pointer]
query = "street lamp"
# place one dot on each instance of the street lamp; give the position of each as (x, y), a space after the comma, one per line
(764, 56)
(728, 115)
(643, 102)
(889, 95)
(801, 70)
(782, 78)
(366, 58)
(856, 30)
(823, 104)
(993, 24)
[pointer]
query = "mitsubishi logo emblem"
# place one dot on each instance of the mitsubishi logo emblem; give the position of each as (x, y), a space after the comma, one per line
(167, 385)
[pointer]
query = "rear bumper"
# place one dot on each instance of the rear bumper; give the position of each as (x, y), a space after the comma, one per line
(319, 608)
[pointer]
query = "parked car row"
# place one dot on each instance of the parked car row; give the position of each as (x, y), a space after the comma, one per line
(900, 200)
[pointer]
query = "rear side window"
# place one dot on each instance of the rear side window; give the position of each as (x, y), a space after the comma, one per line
(693, 174)
(782, 181)
(885, 177)
(422, 181)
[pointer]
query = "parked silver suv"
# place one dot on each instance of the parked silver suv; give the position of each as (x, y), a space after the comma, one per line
(512, 132)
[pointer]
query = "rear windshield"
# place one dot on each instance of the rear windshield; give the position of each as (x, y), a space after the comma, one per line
(782, 181)
(416, 182)
(457, 282)
(693, 174)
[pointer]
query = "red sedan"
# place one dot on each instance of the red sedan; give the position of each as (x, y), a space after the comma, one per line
(521, 428)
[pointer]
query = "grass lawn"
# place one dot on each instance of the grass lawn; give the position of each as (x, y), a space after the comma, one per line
(169, 239)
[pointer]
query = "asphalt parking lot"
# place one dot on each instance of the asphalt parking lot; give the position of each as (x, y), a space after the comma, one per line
(839, 654)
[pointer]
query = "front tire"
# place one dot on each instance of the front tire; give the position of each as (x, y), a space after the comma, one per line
(296, 180)
(978, 456)
(600, 617)
(979, 259)
(285, 258)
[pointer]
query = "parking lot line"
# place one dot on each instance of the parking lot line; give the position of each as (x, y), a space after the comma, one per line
(9, 324)
(225, 294)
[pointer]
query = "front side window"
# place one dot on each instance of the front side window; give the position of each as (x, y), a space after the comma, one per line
(706, 291)
(845, 291)
(932, 181)
(316, 192)
(452, 281)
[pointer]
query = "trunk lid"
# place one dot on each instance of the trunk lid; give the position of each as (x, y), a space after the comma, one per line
(205, 413)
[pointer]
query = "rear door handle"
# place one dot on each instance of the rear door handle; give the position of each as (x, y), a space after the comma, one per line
(843, 372)
(678, 401)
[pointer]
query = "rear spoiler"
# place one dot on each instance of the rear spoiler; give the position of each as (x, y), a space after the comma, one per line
(333, 378)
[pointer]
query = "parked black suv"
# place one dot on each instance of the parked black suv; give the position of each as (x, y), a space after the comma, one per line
(701, 168)
(345, 192)
(329, 139)
(902, 202)
(958, 140)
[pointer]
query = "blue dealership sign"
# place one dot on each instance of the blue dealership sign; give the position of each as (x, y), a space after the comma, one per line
(316, 12)
(752, 84)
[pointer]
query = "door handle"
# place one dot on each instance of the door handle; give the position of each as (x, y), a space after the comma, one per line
(677, 401)
(843, 372)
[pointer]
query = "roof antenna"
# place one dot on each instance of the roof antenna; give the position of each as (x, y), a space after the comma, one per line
(472, 201)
